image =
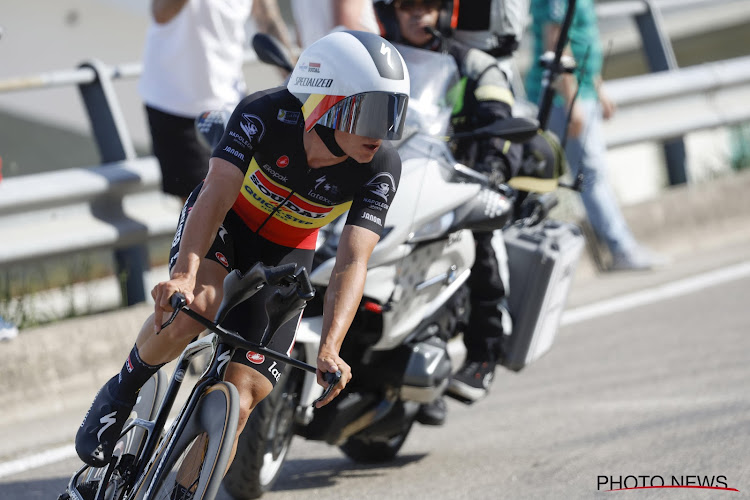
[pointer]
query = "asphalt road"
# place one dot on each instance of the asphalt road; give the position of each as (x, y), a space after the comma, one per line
(652, 384)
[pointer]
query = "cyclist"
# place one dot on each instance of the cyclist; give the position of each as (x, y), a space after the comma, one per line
(487, 97)
(291, 160)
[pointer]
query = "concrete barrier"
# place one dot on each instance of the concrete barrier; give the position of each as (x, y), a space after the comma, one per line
(55, 367)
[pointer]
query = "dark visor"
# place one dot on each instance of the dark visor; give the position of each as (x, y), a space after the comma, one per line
(379, 115)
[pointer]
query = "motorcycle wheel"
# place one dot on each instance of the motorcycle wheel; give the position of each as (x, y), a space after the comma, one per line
(265, 441)
(369, 450)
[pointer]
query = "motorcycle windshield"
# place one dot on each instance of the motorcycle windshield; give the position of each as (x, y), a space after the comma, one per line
(434, 90)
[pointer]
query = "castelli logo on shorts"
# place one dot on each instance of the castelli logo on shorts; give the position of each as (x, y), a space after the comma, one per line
(255, 357)
(222, 259)
(283, 161)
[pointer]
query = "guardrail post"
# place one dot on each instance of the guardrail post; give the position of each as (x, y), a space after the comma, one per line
(660, 57)
(115, 144)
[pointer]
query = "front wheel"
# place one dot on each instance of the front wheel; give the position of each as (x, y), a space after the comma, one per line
(265, 441)
(191, 464)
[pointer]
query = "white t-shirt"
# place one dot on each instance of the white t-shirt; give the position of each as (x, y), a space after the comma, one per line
(193, 63)
(314, 19)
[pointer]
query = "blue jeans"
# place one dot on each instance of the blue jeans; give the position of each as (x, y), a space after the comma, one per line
(588, 154)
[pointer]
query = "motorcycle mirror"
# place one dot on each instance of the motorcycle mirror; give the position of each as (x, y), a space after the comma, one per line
(271, 51)
(517, 129)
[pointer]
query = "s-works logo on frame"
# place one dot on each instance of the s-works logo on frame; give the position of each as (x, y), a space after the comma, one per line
(634, 482)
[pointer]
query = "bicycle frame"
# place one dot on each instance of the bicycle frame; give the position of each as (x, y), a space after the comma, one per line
(223, 343)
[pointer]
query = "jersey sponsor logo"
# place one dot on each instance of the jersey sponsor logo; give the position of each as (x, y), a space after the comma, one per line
(283, 161)
(222, 258)
(255, 358)
(304, 81)
(372, 218)
(288, 204)
(381, 185)
(129, 365)
(252, 126)
(234, 152)
(273, 173)
(239, 139)
(290, 117)
(376, 205)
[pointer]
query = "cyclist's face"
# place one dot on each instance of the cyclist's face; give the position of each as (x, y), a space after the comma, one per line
(414, 16)
(360, 148)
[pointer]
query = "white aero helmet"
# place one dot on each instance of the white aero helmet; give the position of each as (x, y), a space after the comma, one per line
(353, 81)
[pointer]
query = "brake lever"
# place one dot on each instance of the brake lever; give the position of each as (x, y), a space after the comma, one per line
(177, 301)
(332, 379)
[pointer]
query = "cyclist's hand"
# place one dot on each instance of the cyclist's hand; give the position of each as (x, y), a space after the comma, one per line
(331, 362)
(163, 291)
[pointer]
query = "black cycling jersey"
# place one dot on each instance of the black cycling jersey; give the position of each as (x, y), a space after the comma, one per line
(282, 198)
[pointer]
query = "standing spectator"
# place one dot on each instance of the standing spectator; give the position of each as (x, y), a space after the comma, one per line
(316, 18)
(586, 148)
(193, 63)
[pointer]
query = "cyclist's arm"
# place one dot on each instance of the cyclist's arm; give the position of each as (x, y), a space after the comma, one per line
(219, 192)
(342, 300)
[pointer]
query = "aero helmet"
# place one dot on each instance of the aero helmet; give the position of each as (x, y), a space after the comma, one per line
(352, 81)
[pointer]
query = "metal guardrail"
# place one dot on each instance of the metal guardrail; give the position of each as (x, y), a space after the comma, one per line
(119, 205)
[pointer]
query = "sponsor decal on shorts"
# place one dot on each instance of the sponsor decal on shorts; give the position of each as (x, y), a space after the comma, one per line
(255, 358)
(129, 365)
(221, 258)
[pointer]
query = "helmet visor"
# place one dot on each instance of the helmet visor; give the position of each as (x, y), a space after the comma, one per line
(379, 115)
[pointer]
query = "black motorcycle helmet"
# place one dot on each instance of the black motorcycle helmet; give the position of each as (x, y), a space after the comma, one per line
(389, 29)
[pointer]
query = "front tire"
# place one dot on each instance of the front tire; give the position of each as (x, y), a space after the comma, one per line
(265, 441)
(198, 457)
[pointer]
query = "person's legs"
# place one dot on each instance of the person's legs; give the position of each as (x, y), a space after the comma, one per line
(489, 320)
(183, 159)
(587, 154)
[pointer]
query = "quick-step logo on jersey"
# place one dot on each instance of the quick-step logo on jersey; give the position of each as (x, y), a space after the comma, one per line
(296, 221)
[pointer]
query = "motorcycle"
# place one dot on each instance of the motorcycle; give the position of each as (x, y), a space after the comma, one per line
(406, 338)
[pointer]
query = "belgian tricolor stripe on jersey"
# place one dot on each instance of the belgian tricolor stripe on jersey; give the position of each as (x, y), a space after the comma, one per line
(295, 219)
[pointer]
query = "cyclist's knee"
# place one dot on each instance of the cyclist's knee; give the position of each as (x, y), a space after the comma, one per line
(252, 388)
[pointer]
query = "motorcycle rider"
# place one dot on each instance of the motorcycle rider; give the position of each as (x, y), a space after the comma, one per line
(291, 160)
(487, 98)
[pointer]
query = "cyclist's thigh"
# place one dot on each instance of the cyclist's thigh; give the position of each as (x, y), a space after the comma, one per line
(249, 318)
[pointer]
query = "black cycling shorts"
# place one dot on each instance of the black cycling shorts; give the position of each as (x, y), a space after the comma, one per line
(183, 160)
(237, 247)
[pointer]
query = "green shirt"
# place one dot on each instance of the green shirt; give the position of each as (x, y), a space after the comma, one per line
(583, 40)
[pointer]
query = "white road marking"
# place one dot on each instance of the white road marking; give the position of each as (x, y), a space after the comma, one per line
(651, 295)
(39, 460)
(570, 317)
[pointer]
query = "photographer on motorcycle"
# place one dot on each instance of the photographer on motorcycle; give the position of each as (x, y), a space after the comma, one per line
(487, 97)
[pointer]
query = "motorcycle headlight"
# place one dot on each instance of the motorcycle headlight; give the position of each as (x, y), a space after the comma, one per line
(433, 229)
